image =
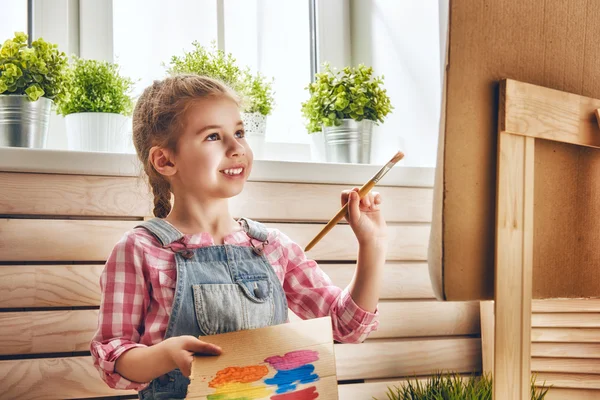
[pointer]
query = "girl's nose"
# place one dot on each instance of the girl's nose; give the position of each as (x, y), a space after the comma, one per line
(236, 149)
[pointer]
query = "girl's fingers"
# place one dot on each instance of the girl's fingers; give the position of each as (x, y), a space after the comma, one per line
(375, 207)
(354, 208)
(346, 193)
(364, 202)
(186, 367)
(367, 201)
(344, 197)
(377, 198)
(198, 346)
(371, 201)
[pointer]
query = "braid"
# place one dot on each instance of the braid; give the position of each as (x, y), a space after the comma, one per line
(162, 197)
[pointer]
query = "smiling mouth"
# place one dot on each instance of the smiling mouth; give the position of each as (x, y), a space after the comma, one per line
(233, 171)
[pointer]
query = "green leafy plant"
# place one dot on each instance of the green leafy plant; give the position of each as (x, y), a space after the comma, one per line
(351, 93)
(452, 386)
(36, 71)
(96, 86)
(258, 93)
(255, 90)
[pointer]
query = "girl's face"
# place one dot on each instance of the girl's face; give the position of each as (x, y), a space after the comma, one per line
(213, 159)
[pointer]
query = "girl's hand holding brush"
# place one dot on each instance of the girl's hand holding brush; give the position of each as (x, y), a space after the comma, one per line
(372, 223)
(365, 217)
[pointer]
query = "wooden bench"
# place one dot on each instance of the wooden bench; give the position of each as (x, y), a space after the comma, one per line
(56, 231)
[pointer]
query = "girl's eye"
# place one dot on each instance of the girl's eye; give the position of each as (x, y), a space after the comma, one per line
(240, 134)
(212, 137)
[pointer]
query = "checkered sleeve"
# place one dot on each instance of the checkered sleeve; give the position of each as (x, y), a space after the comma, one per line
(311, 294)
(124, 300)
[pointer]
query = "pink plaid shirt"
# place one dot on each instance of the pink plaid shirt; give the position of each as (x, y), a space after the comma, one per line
(138, 287)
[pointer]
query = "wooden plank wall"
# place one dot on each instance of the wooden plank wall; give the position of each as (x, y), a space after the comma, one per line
(57, 230)
(565, 346)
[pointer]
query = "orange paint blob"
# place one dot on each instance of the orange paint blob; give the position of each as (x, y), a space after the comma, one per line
(248, 374)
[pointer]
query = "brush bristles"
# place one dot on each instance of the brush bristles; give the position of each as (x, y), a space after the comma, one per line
(399, 156)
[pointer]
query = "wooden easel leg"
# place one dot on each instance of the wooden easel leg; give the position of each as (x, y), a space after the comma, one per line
(486, 314)
(514, 261)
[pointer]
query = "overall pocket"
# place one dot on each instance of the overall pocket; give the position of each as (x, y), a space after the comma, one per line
(230, 307)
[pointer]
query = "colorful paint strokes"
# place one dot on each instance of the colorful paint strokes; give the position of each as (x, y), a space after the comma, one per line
(293, 359)
(286, 380)
(237, 383)
(294, 368)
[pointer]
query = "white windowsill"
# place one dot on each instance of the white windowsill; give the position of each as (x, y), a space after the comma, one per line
(113, 164)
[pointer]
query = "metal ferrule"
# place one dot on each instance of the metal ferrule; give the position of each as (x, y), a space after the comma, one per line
(382, 172)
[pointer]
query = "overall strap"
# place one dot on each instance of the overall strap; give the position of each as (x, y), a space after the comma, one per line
(255, 230)
(164, 232)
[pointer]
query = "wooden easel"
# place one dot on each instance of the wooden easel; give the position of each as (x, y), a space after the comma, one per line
(528, 115)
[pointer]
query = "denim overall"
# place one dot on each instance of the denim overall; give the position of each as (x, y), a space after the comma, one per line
(219, 289)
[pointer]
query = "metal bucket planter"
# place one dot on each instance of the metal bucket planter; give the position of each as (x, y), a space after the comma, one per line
(24, 123)
(350, 142)
(255, 126)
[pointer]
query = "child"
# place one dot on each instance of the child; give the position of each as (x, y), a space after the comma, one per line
(194, 270)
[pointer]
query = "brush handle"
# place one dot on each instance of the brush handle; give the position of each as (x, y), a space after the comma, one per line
(362, 192)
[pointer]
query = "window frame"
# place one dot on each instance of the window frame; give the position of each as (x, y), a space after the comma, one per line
(84, 28)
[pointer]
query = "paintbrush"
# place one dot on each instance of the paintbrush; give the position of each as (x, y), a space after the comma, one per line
(362, 192)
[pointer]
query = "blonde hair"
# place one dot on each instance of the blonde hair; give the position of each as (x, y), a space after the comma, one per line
(158, 121)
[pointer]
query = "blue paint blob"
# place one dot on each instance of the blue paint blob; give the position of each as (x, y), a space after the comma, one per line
(286, 380)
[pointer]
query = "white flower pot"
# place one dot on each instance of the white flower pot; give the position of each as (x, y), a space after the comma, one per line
(255, 126)
(104, 132)
(317, 147)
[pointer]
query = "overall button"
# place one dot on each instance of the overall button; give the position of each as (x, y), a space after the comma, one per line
(187, 254)
(258, 292)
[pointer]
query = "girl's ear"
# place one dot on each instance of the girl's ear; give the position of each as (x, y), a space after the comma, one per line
(162, 161)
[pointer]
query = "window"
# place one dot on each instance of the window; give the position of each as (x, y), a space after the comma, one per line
(146, 33)
(273, 37)
(269, 36)
(400, 40)
(14, 19)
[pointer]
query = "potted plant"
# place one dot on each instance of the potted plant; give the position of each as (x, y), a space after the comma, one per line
(254, 89)
(452, 386)
(344, 105)
(257, 105)
(30, 79)
(97, 107)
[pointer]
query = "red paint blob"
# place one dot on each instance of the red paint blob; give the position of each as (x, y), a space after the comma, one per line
(304, 394)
